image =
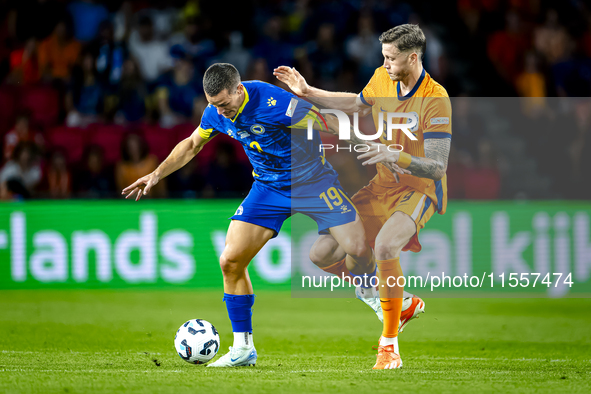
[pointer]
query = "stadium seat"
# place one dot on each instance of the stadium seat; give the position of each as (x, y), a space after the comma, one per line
(109, 137)
(207, 154)
(71, 140)
(182, 131)
(240, 155)
(7, 109)
(43, 104)
(161, 141)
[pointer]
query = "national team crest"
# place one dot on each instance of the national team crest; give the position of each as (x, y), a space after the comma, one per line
(257, 129)
(411, 116)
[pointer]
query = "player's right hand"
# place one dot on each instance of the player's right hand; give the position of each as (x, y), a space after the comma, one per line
(292, 78)
(142, 186)
(396, 168)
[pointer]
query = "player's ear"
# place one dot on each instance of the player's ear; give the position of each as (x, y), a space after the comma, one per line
(239, 88)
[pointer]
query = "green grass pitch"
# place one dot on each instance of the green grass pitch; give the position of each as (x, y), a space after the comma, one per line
(122, 341)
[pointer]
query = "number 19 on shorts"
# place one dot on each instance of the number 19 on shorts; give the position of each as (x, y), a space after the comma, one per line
(332, 198)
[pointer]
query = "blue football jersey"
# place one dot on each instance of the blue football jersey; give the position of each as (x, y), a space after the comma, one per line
(281, 156)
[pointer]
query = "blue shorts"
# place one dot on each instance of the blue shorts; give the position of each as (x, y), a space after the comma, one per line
(325, 202)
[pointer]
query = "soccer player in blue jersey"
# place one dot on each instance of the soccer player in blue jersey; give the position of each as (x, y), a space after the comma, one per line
(290, 175)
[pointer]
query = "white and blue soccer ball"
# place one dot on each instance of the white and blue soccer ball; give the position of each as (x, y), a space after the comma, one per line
(197, 341)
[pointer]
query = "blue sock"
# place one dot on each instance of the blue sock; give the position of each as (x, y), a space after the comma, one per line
(240, 311)
(367, 283)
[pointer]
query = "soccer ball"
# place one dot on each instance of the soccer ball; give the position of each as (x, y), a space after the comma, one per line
(197, 341)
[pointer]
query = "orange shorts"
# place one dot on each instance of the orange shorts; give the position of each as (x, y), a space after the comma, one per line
(375, 204)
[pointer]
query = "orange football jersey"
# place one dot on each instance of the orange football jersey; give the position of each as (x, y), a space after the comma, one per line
(429, 104)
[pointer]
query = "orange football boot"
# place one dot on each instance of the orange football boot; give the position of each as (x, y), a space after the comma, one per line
(387, 359)
(413, 311)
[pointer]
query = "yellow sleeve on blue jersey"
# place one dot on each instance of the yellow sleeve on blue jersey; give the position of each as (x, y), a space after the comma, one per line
(206, 129)
(205, 133)
(303, 124)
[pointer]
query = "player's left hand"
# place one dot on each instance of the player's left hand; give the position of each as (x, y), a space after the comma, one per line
(142, 186)
(379, 153)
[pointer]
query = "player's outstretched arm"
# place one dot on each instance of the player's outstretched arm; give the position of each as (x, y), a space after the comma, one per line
(346, 102)
(182, 153)
(432, 166)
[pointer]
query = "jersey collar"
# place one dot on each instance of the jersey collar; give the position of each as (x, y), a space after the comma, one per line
(414, 89)
(246, 98)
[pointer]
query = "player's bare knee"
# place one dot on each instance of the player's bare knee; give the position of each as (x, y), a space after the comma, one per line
(315, 257)
(321, 257)
(389, 242)
(358, 249)
(324, 252)
(405, 225)
(389, 247)
(230, 266)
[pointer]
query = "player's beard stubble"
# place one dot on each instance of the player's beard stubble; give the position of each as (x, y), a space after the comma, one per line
(399, 76)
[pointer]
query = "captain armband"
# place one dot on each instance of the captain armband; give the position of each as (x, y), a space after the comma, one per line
(404, 160)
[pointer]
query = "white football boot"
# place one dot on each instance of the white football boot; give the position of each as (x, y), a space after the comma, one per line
(237, 357)
(372, 298)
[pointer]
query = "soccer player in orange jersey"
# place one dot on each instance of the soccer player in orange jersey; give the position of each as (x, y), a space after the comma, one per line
(394, 207)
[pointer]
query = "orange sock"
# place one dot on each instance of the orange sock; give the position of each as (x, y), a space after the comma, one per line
(392, 303)
(339, 269)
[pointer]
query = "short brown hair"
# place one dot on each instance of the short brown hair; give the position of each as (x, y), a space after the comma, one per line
(406, 37)
(219, 77)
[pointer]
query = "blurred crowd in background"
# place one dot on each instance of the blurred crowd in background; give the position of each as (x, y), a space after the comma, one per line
(96, 94)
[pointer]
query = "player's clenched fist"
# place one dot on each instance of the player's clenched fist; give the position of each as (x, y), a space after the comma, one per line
(142, 186)
(292, 78)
